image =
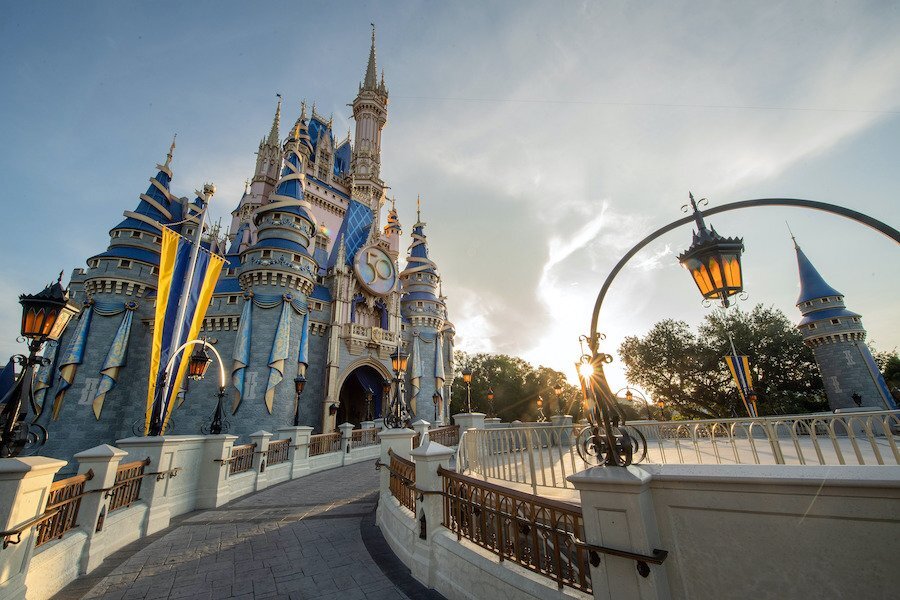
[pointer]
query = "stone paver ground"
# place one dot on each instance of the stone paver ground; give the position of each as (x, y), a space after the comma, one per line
(313, 537)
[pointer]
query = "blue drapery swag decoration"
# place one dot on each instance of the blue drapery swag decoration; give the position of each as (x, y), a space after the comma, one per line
(45, 376)
(241, 353)
(72, 358)
(415, 372)
(303, 353)
(115, 359)
(279, 353)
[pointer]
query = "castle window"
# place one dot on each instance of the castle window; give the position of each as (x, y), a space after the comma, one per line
(856, 319)
(232, 299)
(154, 270)
(835, 321)
(116, 233)
(229, 271)
(276, 216)
(824, 300)
(124, 264)
(297, 258)
(189, 232)
(812, 325)
(420, 304)
(157, 239)
(809, 303)
(136, 234)
(267, 254)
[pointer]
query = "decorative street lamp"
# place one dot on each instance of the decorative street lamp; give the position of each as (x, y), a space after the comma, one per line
(467, 378)
(436, 398)
(490, 398)
(396, 417)
(558, 390)
(540, 406)
(629, 396)
(44, 318)
(299, 384)
(661, 404)
(198, 363)
(714, 261)
(369, 404)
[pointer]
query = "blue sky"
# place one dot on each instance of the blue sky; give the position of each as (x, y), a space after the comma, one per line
(545, 139)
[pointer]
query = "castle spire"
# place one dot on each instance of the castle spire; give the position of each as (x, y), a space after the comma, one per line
(812, 284)
(276, 124)
(171, 151)
(371, 80)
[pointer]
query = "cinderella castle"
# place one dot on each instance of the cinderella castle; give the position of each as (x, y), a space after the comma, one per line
(311, 285)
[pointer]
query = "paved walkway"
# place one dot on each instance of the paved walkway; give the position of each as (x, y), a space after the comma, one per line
(314, 537)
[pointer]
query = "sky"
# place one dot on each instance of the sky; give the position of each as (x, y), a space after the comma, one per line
(545, 139)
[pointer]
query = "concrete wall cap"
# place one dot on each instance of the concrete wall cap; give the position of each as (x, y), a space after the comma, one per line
(346, 426)
(603, 476)
(221, 437)
(396, 433)
(260, 433)
(804, 475)
(420, 421)
(101, 451)
(474, 414)
(300, 428)
(33, 464)
(432, 450)
(158, 440)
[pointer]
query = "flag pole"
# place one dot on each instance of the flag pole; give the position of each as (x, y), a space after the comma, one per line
(208, 191)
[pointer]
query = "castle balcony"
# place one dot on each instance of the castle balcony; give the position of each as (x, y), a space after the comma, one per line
(360, 338)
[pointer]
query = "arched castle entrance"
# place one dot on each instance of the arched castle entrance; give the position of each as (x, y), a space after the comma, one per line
(359, 381)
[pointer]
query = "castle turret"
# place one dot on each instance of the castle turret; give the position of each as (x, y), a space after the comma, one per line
(393, 231)
(281, 259)
(837, 338)
(370, 114)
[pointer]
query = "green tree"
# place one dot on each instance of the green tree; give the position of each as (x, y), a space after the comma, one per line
(687, 370)
(516, 384)
(889, 365)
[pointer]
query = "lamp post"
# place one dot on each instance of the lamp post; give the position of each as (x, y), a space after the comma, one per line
(368, 416)
(661, 404)
(558, 390)
(629, 396)
(490, 398)
(44, 318)
(540, 406)
(467, 378)
(198, 364)
(436, 398)
(396, 419)
(385, 395)
(299, 384)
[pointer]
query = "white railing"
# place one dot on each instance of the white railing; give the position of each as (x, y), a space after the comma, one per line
(545, 456)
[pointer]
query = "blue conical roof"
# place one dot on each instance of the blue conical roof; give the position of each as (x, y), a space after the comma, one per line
(812, 285)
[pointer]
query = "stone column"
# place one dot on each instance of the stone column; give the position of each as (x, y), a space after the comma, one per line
(346, 430)
(430, 509)
(212, 489)
(618, 513)
(261, 439)
(367, 425)
(379, 424)
(421, 428)
(469, 421)
(101, 462)
(24, 490)
(492, 422)
(299, 437)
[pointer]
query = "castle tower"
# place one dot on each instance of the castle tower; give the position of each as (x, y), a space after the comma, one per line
(393, 231)
(265, 176)
(424, 311)
(370, 114)
(837, 338)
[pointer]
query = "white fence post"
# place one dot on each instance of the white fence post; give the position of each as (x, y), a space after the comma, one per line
(299, 437)
(260, 458)
(430, 507)
(212, 486)
(103, 462)
(24, 490)
(346, 432)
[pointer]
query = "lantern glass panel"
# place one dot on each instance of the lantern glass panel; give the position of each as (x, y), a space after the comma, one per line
(732, 266)
(716, 274)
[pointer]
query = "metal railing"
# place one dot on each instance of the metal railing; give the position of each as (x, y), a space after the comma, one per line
(360, 438)
(279, 452)
(61, 514)
(539, 534)
(534, 456)
(127, 486)
(241, 459)
(545, 456)
(403, 481)
(446, 436)
(324, 443)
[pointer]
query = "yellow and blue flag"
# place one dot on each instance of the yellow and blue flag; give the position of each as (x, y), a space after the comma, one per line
(174, 266)
(740, 371)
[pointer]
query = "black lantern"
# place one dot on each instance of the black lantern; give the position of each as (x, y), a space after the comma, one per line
(299, 384)
(467, 375)
(490, 394)
(46, 314)
(399, 360)
(714, 261)
(199, 363)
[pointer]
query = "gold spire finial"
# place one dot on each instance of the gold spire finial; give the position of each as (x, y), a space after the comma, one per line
(418, 208)
(394, 204)
(303, 109)
(171, 151)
